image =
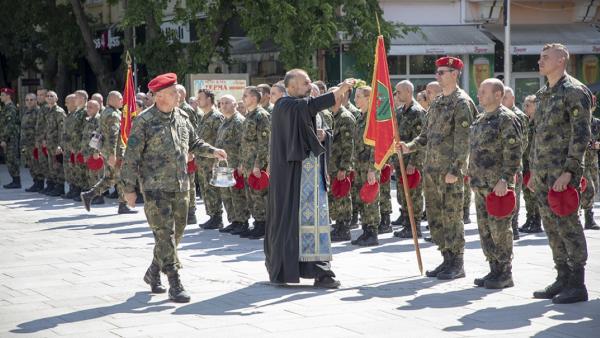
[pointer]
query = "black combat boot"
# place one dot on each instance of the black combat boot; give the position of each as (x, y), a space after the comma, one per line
(398, 220)
(455, 269)
(15, 184)
(86, 198)
(230, 227)
(191, 217)
(369, 238)
(98, 200)
(176, 291)
(114, 195)
(575, 290)
(152, 278)
(247, 232)
(385, 224)
(258, 232)
(590, 224)
(125, 209)
(68, 193)
(354, 221)
(49, 186)
(515, 227)
(36, 186)
(527, 225)
(75, 191)
(466, 218)
(536, 225)
(441, 267)
(59, 189)
(555, 288)
(406, 231)
(492, 274)
(243, 227)
(342, 232)
(215, 222)
(503, 279)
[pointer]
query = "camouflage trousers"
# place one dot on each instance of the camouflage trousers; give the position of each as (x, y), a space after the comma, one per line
(210, 194)
(587, 196)
(236, 204)
(257, 203)
(340, 209)
(530, 203)
(56, 172)
(354, 198)
(565, 234)
(518, 191)
(192, 178)
(495, 233)
(38, 166)
(444, 206)
(94, 177)
(385, 198)
(467, 194)
(370, 215)
(166, 213)
(32, 164)
(107, 180)
(80, 176)
(12, 159)
(416, 195)
(70, 171)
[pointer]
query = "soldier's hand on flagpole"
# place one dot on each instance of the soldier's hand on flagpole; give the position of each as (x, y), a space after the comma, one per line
(112, 160)
(450, 179)
(220, 154)
(130, 198)
(401, 147)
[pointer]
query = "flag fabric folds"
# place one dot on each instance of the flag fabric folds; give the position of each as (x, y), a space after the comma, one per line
(129, 106)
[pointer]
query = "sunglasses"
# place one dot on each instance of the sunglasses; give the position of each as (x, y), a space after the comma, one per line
(441, 72)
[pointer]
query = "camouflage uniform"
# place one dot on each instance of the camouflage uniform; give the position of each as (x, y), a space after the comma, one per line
(256, 132)
(229, 139)
(533, 211)
(340, 159)
(562, 134)
(495, 154)
(109, 126)
(591, 168)
(92, 125)
(193, 117)
(354, 190)
(73, 129)
(28, 122)
(523, 124)
(40, 140)
(209, 124)
(327, 118)
(446, 142)
(157, 154)
(364, 160)
(10, 133)
(55, 118)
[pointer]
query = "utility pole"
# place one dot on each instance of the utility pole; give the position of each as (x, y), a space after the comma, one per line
(507, 55)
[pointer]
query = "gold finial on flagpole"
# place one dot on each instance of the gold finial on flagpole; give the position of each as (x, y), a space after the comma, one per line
(378, 27)
(128, 58)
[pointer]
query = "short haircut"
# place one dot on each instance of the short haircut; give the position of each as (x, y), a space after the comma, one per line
(93, 103)
(497, 85)
(365, 90)
(254, 91)
(98, 95)
(279, 87)
(209, 94)
(529, 98)
(181, 88)
(322, 86)
(423, 95)
(82, 93)
(507, 89)
(264, 88)
(558, 47)
(228, 97)
(291, 75)
(114, 93)
(52, 92)
(407, 84)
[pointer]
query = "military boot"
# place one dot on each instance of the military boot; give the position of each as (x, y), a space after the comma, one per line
(68, 193)
(36, 186)
(243, 227)
(114, 195)
(503, 279)
(191, 217)
(527, 224)
(215, 222)
(369, 238)
(59, 189)
(86, 198)
(590, 224)
(398, 220)
(466, 218)
(555, 288)
(385, 224)
(406, 231)
(492, 274)
(455, 269)
(125, 209)
(342, 232)
(98, 200)
(49, 187)
(364, 228)
(230, 227)
(441, 267)
(515, 228)
(354, 221)
(258, 232)
(176, 291)
(15, 184)
(152, 278)
(575, 290)
(536, 225)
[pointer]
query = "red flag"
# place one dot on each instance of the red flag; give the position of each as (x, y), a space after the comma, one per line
(380, 128)
(129, 107)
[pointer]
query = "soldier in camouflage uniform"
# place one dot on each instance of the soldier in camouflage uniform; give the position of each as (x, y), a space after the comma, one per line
(9, 137)
(112, 149)
(73, 131)
(40, 139)
(591, 175)
(446, 142)
(509, 102)
(66, 146)
(55, 119)
(354, 190)
(157, 153)
(562, 134)
(90, 128)
(256, 133)
(229, 138)
(364, 165)
(339, 165)
(495, 157)
(265, 100)
(410, 120)
(277, 92)
(209, 124)
(533, 223)
(28, 121)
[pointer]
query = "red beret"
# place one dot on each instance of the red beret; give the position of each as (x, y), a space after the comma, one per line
(449, 61)
(386, 173)
(45, 151)
(80, 158)
(95, 164)
(351, 175)
(162, 81)
(239, 180)
(583, 184)
(501, 206)
(340, 188)
(563, 203)
(191, 166)
(259, 183)
(36, 153)
(413, 180)
(368, 192)
(8, 91)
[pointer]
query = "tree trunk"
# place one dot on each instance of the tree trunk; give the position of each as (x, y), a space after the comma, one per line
(61, 81)
(100, 69)
(49, 71)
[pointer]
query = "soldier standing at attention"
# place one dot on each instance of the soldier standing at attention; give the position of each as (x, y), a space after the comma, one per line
(495, 157)
(562, 134)
(209, 124)
(67, 148)
(76, 132)
(28, 120)
(256, 134)
(591, 174)
(533, 223)
(9, 137)
(265, 100)
(55, 119)
(446, 142)
(157, 154)
(90, 127)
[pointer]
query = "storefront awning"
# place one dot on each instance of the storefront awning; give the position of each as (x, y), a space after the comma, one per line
(529, 39)
(440, 40)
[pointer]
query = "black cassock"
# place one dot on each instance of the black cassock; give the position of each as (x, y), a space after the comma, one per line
(293, 138)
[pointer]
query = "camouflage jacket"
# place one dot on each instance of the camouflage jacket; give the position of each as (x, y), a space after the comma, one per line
(55, 119)
(445, 139)
(562, 127)
(28, 122)
(523, 120)
(495, 148)
(327, 118)
(354, 110)
(342, 148)
(10, 124)
(256, 133)
(410, 120)
(591, 155)
(91, 125)
(229, 138)
(110, 128)
(73, 129)
(191, 113)
(41, 124)
(363, 153)
(527, 151)
(157, 151)
(207, 131)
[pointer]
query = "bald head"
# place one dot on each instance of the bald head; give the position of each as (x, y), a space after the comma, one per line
(297, 83)
(404, 91)
(92, 107)
(433, 89)
(490, 94)
(98, 98)
(509, 97)
(70, 102)
(115, 99)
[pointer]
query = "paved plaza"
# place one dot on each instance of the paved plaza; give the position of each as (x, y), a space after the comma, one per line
(65, 272)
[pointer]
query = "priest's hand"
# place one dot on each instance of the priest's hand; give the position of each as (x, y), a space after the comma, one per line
(220, 154)
(342, 89)
(341, 175)
(371, 178)
(321, 135)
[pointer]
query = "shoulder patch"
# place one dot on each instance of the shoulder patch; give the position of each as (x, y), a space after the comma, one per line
(264, 133)
(511, 141)
(575, 112)
(465, 124)
(419, 127)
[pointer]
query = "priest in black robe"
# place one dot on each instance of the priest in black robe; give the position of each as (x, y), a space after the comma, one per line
(294, 142)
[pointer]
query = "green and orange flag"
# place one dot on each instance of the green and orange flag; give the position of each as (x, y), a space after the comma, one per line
(129, 106)
(380, 129)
